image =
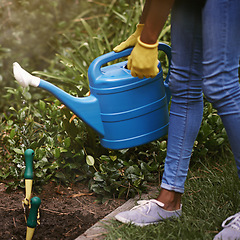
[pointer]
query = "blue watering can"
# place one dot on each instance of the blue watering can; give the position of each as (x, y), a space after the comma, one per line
(124, 110)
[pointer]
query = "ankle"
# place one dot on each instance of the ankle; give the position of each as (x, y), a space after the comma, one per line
(170, 199)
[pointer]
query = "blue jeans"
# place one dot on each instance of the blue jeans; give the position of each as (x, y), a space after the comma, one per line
(205, 59)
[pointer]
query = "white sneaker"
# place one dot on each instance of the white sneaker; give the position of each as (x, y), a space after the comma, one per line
(231, 231)
(147, 212)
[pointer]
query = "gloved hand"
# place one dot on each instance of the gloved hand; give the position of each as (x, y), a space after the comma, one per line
(143, 61)
(131, 41)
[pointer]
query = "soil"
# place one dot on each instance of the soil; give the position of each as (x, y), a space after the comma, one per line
(66, 212)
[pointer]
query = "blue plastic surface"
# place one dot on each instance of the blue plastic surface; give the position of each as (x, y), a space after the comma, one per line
(133, 111)
(125, 111)
(86, 108)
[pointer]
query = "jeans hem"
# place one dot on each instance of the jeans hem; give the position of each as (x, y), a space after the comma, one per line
(172, 188)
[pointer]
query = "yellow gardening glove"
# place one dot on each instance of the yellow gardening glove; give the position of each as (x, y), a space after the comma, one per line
(131, 41)
(143, 61)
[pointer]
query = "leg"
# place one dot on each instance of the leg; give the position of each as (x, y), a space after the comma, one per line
(185, 115)
(221, 51)
(187, 103)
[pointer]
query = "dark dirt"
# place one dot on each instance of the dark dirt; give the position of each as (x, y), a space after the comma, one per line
(66, 212)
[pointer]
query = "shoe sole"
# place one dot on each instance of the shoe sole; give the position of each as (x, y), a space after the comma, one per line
(124, 220)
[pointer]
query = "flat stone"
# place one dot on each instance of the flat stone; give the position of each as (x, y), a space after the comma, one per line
(97, 231)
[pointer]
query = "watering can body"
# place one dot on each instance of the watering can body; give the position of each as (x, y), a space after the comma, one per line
(133, 111)
(124, 110)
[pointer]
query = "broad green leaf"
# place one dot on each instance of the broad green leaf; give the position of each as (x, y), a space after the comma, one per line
(67, 142)
(12, 133)
(42, 105)
(61, 176)
(98, 177)
(18, 151)
(113, 158)
(104, 158)
(90, 160)
(57, 152)
(12, 108)
(10, 122)
(163, 145)
(220, 140)
(62, 150)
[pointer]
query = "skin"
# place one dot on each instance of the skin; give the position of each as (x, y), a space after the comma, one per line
(155, 21)
(153, 24)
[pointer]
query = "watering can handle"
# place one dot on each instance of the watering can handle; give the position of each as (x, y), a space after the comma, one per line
(165, 48)
(111, 56)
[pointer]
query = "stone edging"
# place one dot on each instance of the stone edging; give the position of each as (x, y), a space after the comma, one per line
(96, 232)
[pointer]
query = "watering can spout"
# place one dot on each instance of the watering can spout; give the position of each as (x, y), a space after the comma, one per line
(86, 108)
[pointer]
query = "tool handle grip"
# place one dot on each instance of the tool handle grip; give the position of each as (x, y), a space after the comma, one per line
(29, 154)
(32, 219)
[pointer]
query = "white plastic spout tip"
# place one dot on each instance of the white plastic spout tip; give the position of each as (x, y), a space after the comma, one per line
(23, 77)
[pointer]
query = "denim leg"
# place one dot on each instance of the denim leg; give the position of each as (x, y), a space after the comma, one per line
(186, 87)
(221, 52)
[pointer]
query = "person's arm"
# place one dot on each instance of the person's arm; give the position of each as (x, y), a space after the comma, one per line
(145, 11)
(143, 60)
(154, 16)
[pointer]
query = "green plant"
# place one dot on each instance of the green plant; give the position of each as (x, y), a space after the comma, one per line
(45, 128)
(127, 172)
(66, 149)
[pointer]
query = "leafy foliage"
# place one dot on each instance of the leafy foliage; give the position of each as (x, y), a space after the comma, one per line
(42, 126)
(66, 150)
(127, 172)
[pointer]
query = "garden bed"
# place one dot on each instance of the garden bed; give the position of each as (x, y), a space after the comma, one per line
(65, 212)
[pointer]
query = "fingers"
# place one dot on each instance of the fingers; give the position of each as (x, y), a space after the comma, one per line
(129, 64)
(131, 41)
(141, 73)
(120, 47)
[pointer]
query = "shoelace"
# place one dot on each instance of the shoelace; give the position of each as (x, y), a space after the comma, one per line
(234, 221)
(143, 204)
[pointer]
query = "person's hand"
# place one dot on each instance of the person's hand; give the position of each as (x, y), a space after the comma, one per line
(143, 61)
(131, 41)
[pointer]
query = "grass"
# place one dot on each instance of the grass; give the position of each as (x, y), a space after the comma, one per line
(211, 195)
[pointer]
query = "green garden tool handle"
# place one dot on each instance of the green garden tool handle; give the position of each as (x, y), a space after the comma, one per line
(32, 219)
(28, 175)
(29, 154)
